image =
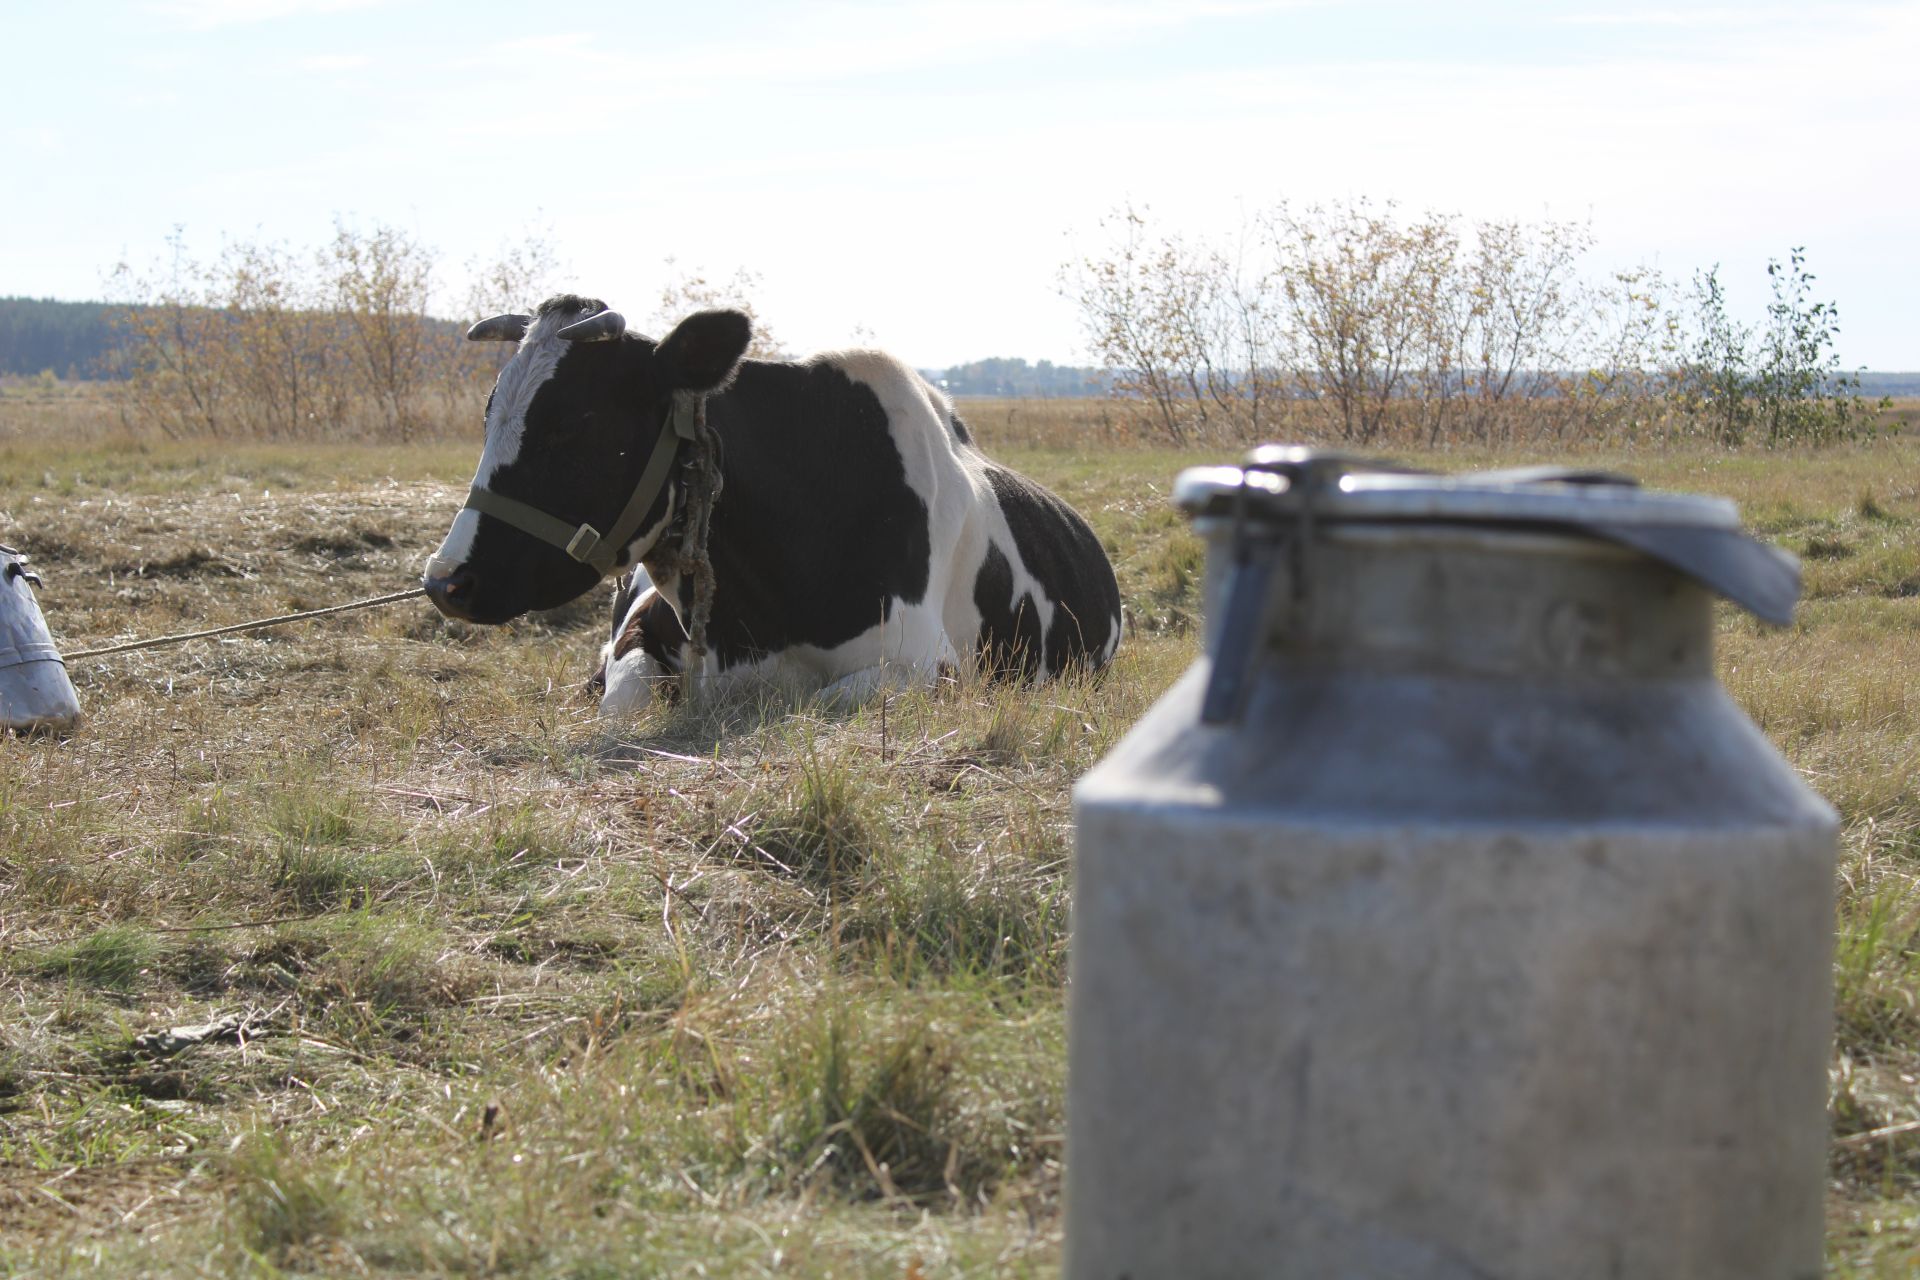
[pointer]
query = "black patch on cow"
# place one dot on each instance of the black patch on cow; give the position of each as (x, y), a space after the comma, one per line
(817, 531)
(1010, 641)
(1061, 552)
(959, 429)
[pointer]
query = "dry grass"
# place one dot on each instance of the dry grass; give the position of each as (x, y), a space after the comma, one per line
(73, 412)
(748, 990)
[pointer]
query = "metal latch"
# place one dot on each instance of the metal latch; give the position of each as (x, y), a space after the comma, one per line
(17, 566)
(1256, 551)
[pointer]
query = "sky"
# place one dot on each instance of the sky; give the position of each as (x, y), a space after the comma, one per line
(914, 174)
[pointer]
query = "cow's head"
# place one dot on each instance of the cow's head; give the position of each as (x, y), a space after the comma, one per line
(572, 422)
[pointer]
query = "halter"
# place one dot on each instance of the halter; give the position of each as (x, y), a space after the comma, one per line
(586, 544)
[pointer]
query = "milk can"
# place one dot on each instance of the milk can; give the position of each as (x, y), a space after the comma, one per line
(34, 690)
(1447, 918)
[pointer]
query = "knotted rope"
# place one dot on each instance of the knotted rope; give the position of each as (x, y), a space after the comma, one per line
(703, 485)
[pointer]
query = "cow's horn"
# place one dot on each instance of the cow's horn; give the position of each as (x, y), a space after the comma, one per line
(507, 328)
(597, 328)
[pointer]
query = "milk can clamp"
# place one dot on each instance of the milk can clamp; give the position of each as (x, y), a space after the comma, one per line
(1288, 468)
(17, 565)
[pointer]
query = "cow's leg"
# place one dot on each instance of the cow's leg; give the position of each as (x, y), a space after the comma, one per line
(648, 647)
(891, 677)
(912, 648)
(629, 684)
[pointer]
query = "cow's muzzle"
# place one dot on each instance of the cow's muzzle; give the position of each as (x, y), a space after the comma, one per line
(451, 592)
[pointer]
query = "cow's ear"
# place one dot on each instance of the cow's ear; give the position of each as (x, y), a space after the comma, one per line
(704, 349)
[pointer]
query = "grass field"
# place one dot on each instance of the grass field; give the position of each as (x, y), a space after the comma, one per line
(750, 990)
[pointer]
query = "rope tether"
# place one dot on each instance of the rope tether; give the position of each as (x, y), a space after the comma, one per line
(701, 462)
(258, 624)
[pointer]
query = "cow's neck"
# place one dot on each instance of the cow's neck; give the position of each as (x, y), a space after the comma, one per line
(680, 561)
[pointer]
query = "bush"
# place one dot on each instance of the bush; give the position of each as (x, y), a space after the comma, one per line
(1782, 385)
(263, 342)
(1354, 323)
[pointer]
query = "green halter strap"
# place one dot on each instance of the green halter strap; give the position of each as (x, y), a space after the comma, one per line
(585, 543)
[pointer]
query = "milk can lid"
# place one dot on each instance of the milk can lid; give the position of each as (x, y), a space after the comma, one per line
(1280, 487)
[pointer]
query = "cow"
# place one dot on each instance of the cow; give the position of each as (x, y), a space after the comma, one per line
(859, 540)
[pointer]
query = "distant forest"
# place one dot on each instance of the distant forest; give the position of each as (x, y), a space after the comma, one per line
(72, 339)
(76, 340)
(1889, 384)
(1004, 376)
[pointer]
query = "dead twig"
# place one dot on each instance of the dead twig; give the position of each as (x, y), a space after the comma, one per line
(1853, 1140)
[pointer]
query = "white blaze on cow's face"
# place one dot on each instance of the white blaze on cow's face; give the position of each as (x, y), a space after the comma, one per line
(530, 368)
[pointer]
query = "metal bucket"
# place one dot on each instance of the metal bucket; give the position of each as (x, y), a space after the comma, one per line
(1448, 919)
(35, 694)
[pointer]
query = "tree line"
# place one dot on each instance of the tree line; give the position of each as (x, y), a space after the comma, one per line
(1354, 322)
(343, 340)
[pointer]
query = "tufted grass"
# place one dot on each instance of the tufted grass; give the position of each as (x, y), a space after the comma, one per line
(753, 988)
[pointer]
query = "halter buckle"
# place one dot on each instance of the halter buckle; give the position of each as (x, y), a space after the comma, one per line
(584, 540)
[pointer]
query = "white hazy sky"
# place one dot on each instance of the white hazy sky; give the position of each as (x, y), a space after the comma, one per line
(918, 171)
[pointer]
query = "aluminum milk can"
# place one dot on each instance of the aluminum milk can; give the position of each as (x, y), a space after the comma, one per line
(34, 690)
(1448, 919)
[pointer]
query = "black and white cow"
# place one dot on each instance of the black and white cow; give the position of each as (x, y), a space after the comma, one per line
(859, 540)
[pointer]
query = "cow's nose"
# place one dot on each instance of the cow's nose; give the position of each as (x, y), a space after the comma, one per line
(451, 593)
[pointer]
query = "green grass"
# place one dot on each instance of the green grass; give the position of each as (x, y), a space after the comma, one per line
(116, 957)
(753, 988)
